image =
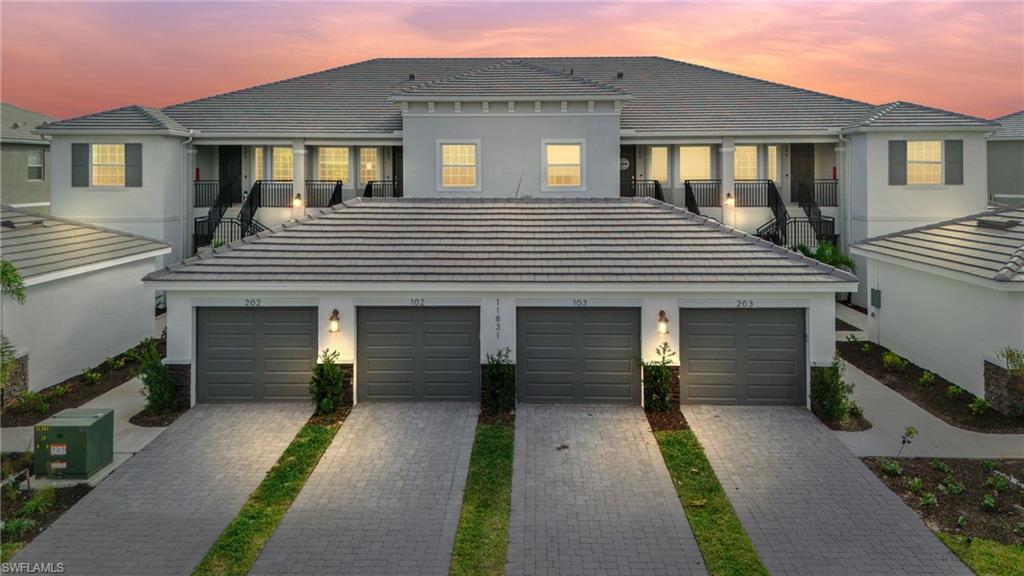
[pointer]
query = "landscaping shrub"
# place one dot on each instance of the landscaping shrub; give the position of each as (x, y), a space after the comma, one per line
(989, 502)
(327, 385)
(988, 465)
(955, 391)
(927, 379)
(893, 362)
(939, 466)
(658, 381)
(952, 486)
(978, 406)
(91, 376)
(830, 394)
(866, 347)
(928, 500)
(499, 383)
(915, 485)
(1014, 358)
(157, 383)
(17, 527)
(892, 468)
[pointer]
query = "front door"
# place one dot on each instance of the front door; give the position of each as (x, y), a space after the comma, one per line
(230, 165)
(396, 163)
(627, 170)
(802, 170)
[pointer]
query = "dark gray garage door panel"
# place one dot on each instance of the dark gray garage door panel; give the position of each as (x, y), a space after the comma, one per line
(418, 353)
(732, 356)
(249, 354)
(578, 354)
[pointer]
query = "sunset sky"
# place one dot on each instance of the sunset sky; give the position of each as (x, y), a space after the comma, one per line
(66, 59)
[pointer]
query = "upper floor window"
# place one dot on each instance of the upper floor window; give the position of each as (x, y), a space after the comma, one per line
(107, 165)
(924, 162)
(282, 163)
(773, 163)
(369, 164)
(659, 164)
(35, 165)
(257, 163)
(459, 165)
(694, 163)
(333, 164)
(563, 165)
(745, 163)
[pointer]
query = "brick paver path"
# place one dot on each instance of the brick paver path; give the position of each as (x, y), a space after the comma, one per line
(160, 512)
(385, 498)
(809, 505)
(591, 496)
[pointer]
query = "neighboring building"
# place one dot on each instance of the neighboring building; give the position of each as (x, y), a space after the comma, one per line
(950, 296)
(24, 159)
(84, 298)
(1006, 160)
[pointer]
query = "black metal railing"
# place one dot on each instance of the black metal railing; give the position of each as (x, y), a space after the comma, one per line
(275, 193)
(253, 202)
(751, 193)
(383, 189)
(203, 228)
(826, 192)
(777, 204)
(205, 193)
(689, 199)
(706, 193)
(644, 189)
(797, 231)
(233, 229)
(323, 193)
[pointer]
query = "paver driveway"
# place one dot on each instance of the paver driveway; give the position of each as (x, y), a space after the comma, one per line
(160, 512)
(809, 505)
(591, 496)
(385, 498)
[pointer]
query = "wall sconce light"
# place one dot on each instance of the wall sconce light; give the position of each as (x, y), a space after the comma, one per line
(729, 200)
(662, 323)
(297, 202)
(334, 323)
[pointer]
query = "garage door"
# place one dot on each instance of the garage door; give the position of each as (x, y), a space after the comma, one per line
(252, 354)
(418, 353)
(578, 354)
(732, 356)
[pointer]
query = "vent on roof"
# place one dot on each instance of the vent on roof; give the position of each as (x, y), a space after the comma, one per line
(412, 75)
(620, 74)
(997, 222)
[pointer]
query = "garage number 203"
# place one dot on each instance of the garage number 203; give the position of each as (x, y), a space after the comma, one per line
(744, 303)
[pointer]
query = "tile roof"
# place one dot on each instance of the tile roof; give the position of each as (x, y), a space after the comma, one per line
(1011, 127)
(614, 240)
(18, 123)
(132, 118)
(961, 245)
(910, 115)
(39, 244)
(511, 79)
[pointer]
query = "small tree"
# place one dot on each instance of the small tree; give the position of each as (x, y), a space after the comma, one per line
(1014, 358)
(157, 383)
(12, 286)
(327, 385)
(657, 377)
(830, 394)
(499, 383)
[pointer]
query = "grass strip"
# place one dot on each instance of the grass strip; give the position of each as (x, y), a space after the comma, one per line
(236, 549)
(481, 543)
(726, 548)
(10, 549)
(986, 557)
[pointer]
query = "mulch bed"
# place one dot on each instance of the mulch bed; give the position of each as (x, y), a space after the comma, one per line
(149, 419)
(336, 417)
(671, 419)
(78, 392)
(1000, 525)
(849, 424)
(502, 418)
(64, 498)
(842, 326)
(932, 398)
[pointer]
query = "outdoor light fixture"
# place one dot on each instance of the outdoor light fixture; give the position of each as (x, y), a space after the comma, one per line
(335, 322)
(662, 323)
(729, 200)
(297, 202)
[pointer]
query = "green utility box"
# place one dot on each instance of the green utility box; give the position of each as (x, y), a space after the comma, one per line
(74, 443)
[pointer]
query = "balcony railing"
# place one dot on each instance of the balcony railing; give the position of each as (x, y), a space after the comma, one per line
(644, 189)
(799, 231)
(206, 192)
(383, 189)
(323, 193)
(826, 192)
(752, 193)
(707, 193)
(274, 193)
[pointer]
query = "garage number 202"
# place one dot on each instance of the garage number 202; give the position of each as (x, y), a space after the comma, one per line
(744, 303)
(252, 302)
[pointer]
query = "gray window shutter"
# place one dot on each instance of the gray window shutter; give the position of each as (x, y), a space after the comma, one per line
(954, 157)
(133, 164)
(79, 165)
(897, 162)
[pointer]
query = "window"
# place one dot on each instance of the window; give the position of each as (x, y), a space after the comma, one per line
(257, 161)
(282, 159)
(459, 165)
(35, 164)
(694, 163)
(773, 163)
(659, 164)
(924, 162)
(563, 165)
(108, 164)
(745, 163)
(369, 164)
(333, 164)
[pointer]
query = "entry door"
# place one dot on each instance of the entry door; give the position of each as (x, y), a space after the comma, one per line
(396, 163)
(801, 169)
(230, 165)
(627, 170)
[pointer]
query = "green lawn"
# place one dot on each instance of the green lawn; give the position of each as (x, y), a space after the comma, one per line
(9, 549)
(986, 557)
(237, 547)
(725, 546)
(481, 543)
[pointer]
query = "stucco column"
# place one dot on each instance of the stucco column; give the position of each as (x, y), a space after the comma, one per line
(299, 178)
(189, 195)
(727, 174)
(843, 228)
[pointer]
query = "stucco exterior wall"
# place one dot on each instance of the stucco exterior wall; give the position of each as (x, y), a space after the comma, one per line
(72, 324)
(944, 325)
(15, 186)
(510, 146)
(1006, 171)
